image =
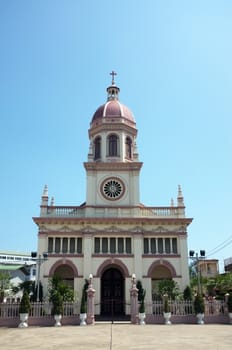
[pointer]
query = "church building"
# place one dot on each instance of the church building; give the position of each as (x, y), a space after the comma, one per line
(112, 235)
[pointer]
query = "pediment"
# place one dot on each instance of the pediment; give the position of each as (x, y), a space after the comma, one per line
(137, 229)
(114, 229)
(89, 229)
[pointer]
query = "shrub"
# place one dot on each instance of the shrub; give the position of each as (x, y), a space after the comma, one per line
(199, 305)
(166, 304)
(142, 304)
(83, 308)
(187, 293)
(25, 305)
(140, 290)
(57, 302)
(229, 302)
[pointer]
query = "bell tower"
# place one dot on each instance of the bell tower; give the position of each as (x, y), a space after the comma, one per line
(113, 167)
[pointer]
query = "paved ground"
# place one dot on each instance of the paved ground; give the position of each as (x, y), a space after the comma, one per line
(118, 337)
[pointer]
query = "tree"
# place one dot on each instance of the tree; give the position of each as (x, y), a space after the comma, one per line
(29, 286)
(57, 285)
(194, 283)
(5, 284)
(168, 287)
(229, 303)
(223, 283)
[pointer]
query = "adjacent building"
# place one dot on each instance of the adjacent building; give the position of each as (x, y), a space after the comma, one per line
(228, 264)
(20, 266)
(208, 267)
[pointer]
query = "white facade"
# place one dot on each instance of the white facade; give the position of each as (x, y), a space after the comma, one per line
(112, 235)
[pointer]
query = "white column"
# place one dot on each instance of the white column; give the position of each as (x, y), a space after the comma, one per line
(149, 245)
(138, 266)
(68, 247)
(87, 252)
(61, 245)
(100, 245)
(171, 248)
(183, 249)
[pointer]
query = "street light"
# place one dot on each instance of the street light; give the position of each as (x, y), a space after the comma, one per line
(90, 279)
(195, 256)
(39, 260)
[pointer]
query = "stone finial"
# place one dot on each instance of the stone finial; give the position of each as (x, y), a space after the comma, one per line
(172, 202)
(44, 201)
(52, 201)
(180, 198)
(45, 191)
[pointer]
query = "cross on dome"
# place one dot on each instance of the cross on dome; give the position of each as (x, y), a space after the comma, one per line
(113, 73)
(112, 90)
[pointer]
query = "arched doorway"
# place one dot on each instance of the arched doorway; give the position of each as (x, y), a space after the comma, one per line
(112, 293)
(158, 274)
(66, 273)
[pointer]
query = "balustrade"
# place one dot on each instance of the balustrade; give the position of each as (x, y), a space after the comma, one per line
(58, 211)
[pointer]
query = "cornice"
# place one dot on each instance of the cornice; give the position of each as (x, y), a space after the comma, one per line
(112, 166)
(120, 125)
(160, 256)
(138, 221)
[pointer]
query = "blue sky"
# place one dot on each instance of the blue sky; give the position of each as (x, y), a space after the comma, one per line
(173, 60)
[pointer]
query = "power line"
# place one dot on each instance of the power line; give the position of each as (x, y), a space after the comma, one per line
(228, 239)
(221, 246)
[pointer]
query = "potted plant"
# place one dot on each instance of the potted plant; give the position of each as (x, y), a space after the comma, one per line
(166, 309)
(199, 308)
(187, 295)
(142, 314)
(229, 306)
(83, 308)
(59, 292)
(24, 309)
(57, 309)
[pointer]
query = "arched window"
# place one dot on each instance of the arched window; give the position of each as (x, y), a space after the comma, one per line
(113, 145)
(97, 148)
(128, 148)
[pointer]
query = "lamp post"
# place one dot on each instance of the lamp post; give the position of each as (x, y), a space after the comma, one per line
(195, 256)
(90, 301)
(90, 278)
(133, 279)
(39, 260)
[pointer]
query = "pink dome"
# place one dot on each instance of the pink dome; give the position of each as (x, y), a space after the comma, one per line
(113, 109)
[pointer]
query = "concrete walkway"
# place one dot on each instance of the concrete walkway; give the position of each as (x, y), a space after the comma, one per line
(118, 337)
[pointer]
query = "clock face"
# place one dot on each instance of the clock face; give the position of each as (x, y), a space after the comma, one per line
(112, 188)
